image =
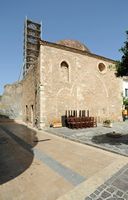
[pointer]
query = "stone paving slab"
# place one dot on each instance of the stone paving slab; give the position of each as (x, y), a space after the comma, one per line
(97, 136)
(116, 188)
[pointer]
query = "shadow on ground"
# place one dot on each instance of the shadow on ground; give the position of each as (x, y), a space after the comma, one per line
(2, 116)
(111, 140)
(5, 118)
(16, 150)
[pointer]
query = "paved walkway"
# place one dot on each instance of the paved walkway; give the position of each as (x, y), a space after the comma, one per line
(98, 136)
(37, 165)
(116, 188)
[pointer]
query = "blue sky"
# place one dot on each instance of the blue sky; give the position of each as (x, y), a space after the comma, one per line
(99, 24)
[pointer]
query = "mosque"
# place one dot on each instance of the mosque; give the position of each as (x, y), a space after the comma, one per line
(65, 76)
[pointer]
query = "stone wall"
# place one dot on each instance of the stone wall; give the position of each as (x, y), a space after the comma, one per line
(30, 104)
(11, 101)
(72, 81)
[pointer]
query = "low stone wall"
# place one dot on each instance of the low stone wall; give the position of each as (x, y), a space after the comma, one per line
(11, 101)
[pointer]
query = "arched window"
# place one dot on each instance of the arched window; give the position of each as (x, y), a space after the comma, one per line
(64, 71)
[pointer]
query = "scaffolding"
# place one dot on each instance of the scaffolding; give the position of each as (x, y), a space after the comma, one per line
(32, 35)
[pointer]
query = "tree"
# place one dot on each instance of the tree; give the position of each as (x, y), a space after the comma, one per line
(122, 66)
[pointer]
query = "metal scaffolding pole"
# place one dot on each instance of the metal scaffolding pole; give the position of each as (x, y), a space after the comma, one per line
(32, 35)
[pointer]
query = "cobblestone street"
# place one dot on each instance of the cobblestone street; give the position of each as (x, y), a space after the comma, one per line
(116, 188)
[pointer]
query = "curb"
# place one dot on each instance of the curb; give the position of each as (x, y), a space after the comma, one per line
(86, 143)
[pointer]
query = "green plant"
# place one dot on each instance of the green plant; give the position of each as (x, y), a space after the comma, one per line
(125, 101)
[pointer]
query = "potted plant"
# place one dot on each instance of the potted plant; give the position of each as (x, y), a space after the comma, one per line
(107, 123)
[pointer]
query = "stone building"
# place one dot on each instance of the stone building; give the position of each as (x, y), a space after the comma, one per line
(67, 76)
(61, 76)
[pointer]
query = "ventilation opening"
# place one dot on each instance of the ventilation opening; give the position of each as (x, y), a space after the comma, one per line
(102, 68)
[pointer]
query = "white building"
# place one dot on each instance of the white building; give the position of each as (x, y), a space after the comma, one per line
(125, 86)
